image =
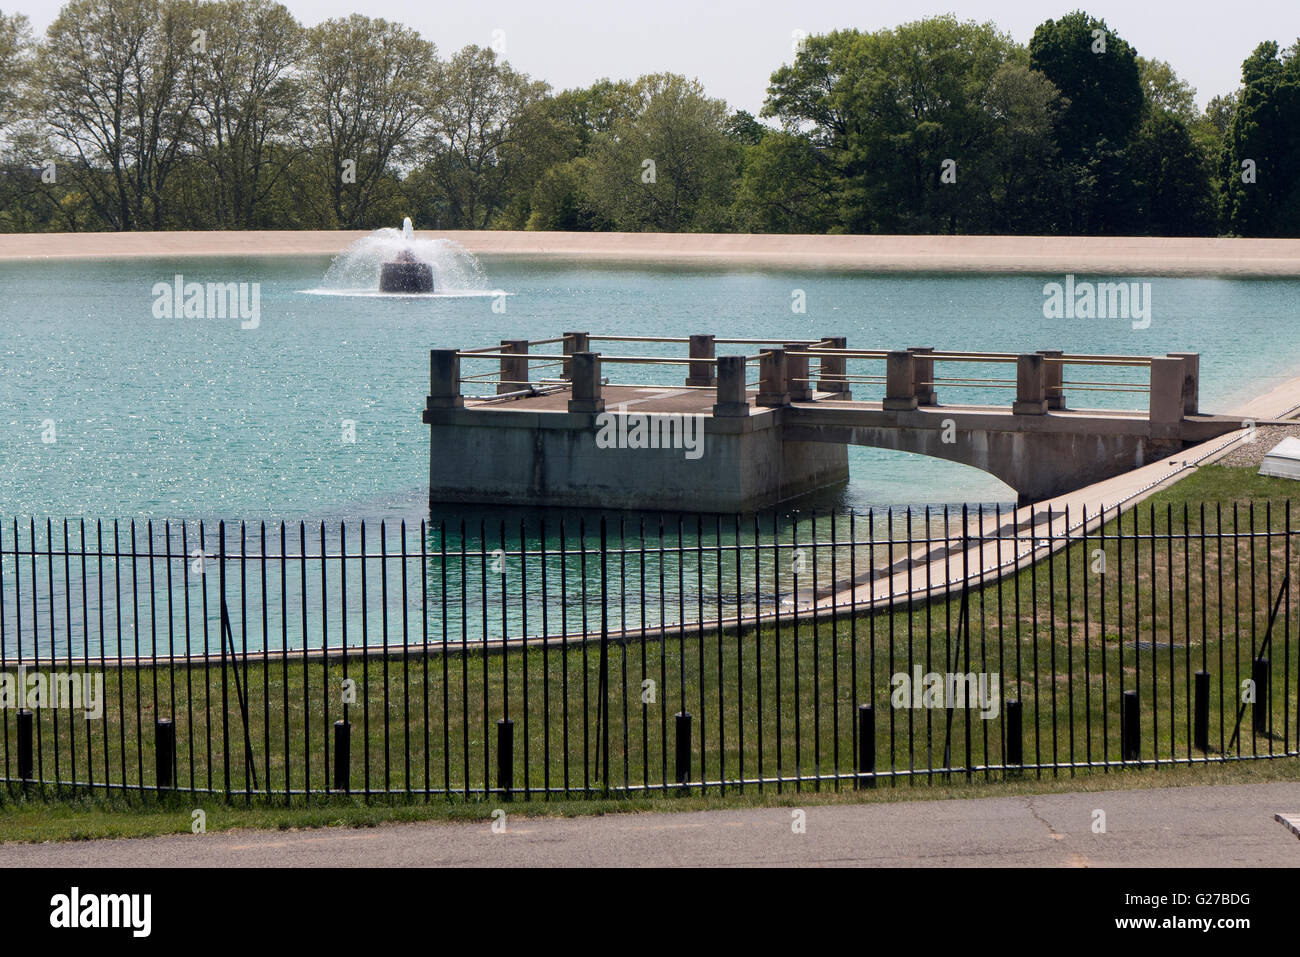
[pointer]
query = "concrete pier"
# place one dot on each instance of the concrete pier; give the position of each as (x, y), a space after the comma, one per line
(762, 424)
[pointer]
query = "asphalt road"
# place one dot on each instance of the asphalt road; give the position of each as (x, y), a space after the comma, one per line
(1192, 826)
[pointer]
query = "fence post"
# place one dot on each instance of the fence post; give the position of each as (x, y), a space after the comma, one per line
(343, 756)
(1166, 406)
(1260, 673)
(797, 372)
(506, 757)
(514, 371)
(584, 394)
(25, 745)
(701, 373)
(1015, 733)
(683, 764)
(1129, 728)
(1031, 385)
(925, 391)
(1053, 377)
(164, 752)
(574, 342)
(833, 370)
(900, 382)
(1191, 380)
(773, 379)
(732, 400)
(866, 747)
(444, 380)
(1201, 722)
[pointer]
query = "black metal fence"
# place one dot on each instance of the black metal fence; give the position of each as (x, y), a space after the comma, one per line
(538, 657)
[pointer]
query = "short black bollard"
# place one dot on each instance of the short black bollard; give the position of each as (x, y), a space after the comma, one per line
(506, 757)
(1260, 674)
(342, 756)
(1015, 734)
(1130, 731)
(1201, 717)
(164, 751)
(25, 726)
(866, 747)
(683, 766)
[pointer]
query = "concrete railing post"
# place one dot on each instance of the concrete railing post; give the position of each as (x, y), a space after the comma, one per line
(1166, 394)
(832, 370)
(514, 372)
(773, 379)
(1031, 385)
(1191, 380)
(900, 382)
(797, 372)
(1053, 375)
(731, 387)
(701, 373)
(925, 392)
(574, 342)
(444, 380)
(585, 391)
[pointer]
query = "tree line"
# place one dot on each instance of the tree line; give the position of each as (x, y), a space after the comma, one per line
(230, 114)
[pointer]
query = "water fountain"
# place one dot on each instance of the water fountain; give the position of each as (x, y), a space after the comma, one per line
(406, 273)
(393, 262)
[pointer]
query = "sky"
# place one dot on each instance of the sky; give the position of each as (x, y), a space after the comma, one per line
(733, 47)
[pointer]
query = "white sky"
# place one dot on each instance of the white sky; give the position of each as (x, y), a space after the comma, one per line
(732, 47)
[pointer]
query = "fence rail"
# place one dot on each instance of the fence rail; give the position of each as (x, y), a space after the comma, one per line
(606, 654)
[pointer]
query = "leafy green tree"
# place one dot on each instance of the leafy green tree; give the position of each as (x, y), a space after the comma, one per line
(902, 119)
(1098, 76)
(20, 185)
(1018, 164)
(366, 86)
(786, 186)
(1165, 91)
(670, 166)
(113, 102)
(1259, 177)
(1172, 178)
(247, 107)
(483, 133)
(15, 67)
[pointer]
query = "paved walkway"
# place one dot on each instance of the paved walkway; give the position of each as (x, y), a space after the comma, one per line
(1219, 826)
(979, 254)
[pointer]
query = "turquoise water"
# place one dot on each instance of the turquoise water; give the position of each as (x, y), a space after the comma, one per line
(199, 418)
(189, 419)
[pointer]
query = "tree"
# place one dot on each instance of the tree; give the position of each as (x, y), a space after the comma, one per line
(1018, 165)
(786, 186)
(15, 66)
(366, 84)
(668, 167)
(902, 119)
(1165, 91)
(1260, 182)
(1172, 178)
(487, 129)
(1097, 73)
(112, 101)
(247, 106)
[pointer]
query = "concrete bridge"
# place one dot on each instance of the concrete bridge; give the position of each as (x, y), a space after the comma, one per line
(747, 430)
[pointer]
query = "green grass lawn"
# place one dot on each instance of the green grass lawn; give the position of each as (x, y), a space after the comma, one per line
(1061, 654)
